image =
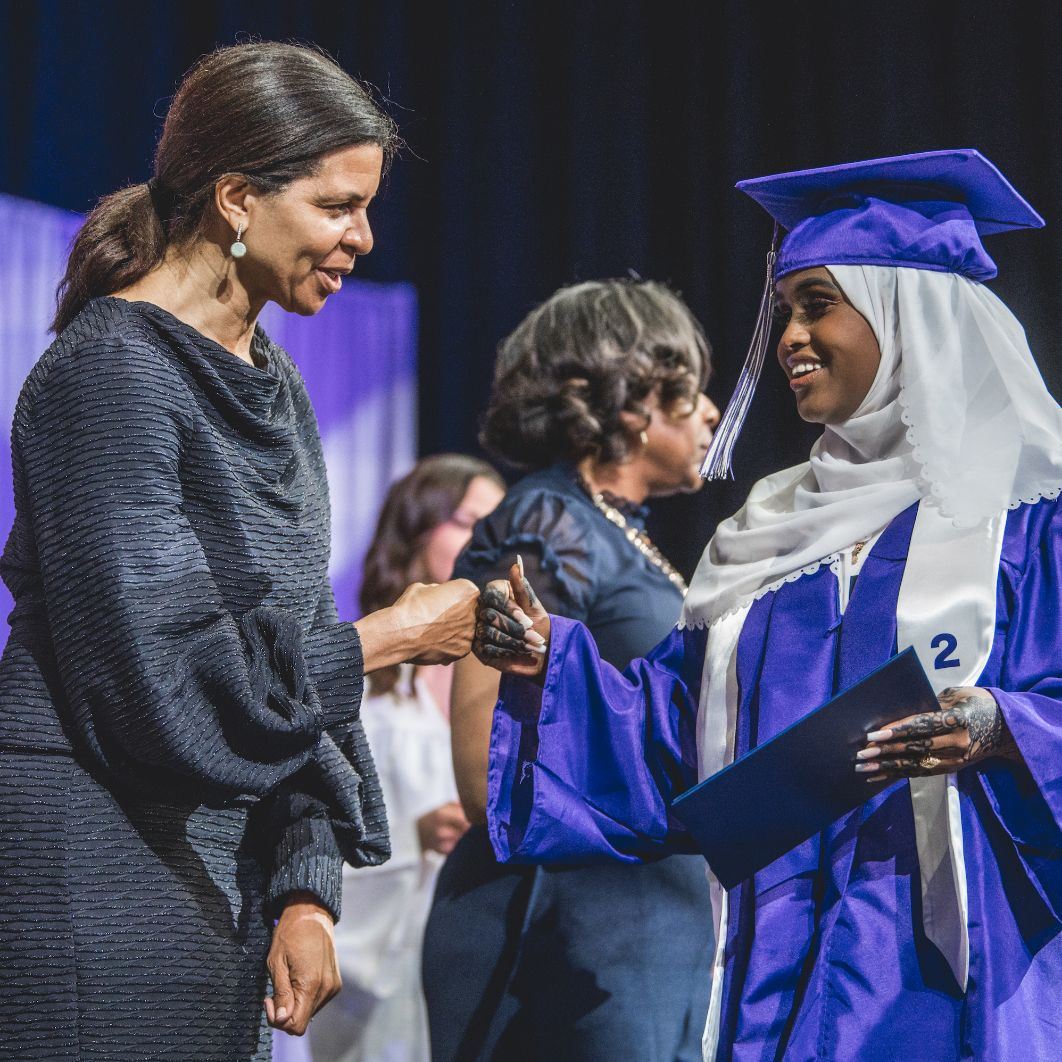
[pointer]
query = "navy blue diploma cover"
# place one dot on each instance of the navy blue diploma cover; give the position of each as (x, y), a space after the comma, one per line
(802, 780)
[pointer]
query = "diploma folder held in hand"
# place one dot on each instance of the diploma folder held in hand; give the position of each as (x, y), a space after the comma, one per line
(788, 789)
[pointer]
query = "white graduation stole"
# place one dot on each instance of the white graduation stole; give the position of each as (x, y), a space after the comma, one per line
(946, 609)
(716, 727)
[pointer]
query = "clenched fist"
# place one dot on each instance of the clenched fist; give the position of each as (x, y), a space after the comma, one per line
(512, 627)
(429, 624)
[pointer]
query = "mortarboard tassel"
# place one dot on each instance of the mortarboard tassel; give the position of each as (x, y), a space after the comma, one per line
(717, 462)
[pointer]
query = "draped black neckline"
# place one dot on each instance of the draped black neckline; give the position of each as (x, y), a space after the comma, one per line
(251, 396)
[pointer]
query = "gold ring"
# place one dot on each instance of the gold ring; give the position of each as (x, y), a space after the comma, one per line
(927, 763)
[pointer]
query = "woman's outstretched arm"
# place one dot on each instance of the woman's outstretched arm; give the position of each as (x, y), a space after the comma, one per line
(166, 688)
(584, 759)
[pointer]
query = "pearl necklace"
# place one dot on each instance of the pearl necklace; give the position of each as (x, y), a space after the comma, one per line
(637, 538)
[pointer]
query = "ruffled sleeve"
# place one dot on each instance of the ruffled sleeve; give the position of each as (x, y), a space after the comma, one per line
(333, 810)
(552, 537)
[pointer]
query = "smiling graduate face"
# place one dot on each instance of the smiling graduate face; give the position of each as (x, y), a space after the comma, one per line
(827, 350)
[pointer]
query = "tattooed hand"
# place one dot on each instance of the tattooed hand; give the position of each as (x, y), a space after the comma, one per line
(512, 627)
(968, 728)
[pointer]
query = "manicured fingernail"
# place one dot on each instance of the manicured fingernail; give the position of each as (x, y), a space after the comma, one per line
(520, 564)
(868, 754)
(282, 1013)
(522, 618)
(866, 768)
(534, 638)
(879, 735)
(540, 649)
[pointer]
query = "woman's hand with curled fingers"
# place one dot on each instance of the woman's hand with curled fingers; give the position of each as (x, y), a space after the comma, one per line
(440, 830)
(302, 964)
(967, 729)
(512, 627)
(443, 615)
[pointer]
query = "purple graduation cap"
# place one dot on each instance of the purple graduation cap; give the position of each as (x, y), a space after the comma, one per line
(924, 211)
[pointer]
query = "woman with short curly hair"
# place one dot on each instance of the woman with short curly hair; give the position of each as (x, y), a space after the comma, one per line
(576, 374)
(598, 393)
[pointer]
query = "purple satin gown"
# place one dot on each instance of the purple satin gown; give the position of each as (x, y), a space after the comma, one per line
(826, 957)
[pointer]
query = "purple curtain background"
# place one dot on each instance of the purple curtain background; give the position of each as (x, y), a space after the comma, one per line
(358, 357)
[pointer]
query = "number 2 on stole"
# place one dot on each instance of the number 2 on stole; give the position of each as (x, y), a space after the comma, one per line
(944, 658)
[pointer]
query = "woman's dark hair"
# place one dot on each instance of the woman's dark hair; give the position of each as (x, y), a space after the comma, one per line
(265, 110)
(416, 505)
(589, 353)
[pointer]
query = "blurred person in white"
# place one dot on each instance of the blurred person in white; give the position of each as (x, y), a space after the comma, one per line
(379, 1016)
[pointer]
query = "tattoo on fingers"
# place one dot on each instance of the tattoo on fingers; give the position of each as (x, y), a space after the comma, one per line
(502, 622)
(968, 728)
(491, 635)
(487, 651)
(494, 597)
(922, 746)
(928, 725)
(906, 767)
(532, 597)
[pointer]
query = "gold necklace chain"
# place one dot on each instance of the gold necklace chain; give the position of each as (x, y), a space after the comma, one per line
(638, 539)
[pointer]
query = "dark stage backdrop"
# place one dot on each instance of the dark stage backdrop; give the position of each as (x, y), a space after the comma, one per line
(553, 141)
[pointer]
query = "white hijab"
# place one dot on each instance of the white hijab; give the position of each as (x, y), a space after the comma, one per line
(958, 414)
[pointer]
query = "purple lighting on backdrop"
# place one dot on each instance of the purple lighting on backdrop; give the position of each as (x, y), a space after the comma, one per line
(358, 357)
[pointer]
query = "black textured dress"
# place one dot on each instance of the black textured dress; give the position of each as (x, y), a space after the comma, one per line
(179, 735)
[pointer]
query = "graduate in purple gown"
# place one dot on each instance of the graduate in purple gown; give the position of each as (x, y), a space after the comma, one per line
(926, 923)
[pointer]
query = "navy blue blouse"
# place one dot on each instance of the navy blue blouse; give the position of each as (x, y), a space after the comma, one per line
(542, 964)
(580, 564)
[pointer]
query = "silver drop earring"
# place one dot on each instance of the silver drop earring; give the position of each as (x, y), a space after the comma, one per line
(238, 248)
(644, 436)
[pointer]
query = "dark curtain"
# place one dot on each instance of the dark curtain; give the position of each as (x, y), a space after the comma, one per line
(553, 141)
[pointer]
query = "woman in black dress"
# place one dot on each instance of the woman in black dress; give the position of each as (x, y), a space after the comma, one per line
(181, 761)
(598, 392)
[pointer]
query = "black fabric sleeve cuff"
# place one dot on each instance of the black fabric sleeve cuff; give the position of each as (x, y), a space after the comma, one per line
(307, 859)
(337, 667)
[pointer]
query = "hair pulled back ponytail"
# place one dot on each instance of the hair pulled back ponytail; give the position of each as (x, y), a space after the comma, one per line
(122, 240)
(265, 110)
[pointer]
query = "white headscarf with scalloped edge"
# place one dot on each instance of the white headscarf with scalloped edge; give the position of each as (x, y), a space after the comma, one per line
(958, 414)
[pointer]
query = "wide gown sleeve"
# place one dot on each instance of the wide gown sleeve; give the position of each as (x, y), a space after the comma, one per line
(1028, 801)
(584, 767)
(165, 689)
